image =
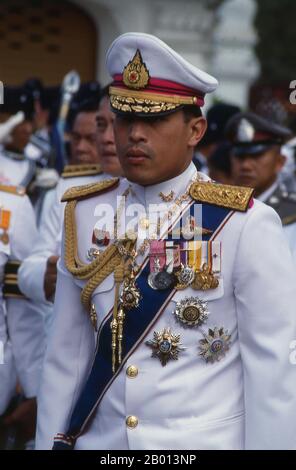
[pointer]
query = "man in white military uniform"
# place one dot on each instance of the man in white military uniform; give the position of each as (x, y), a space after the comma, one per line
(179, 324)
(22, 325)
(92, 153)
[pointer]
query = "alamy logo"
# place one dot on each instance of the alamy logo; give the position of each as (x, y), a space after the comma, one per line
(293, 93)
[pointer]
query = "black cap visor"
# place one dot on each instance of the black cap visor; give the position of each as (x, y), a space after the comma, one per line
(253, 148)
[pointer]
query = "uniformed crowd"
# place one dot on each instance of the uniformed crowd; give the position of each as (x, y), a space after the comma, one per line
(129, 341)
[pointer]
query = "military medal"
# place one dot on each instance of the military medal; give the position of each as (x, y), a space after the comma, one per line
(160, 278)
(92, 254)
(204, 279)
(164, 280)
(4, 237)
(214, 345)
(154, 271)
(151, 281)
(191, 311)
(130, 295)
(165, 346)
(185, 277)
(100, 237)
(4, 224)
(93, 316)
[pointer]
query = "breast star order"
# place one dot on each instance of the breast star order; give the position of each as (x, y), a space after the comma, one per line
(165, 346)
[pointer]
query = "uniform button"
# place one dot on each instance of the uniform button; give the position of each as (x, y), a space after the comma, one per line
(132, 422)
(132, 372)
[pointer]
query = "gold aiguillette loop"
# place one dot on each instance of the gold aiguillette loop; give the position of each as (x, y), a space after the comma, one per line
(120, 320)
(118, 277)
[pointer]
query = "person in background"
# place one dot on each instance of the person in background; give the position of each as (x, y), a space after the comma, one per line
(22, 329)
(15, 168)
(91, 151)
(105, 136)
(217, 117)
(219, 164)
(257, 161)
(20, 159)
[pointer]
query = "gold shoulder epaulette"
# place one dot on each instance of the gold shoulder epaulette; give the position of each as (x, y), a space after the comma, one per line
(223, 195)
(87, 190)
(70, 171)
(18, 190)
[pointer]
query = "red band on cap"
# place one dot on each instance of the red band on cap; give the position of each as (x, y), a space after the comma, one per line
(164, 87)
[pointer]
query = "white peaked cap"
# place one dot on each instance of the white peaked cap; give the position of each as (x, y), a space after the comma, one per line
(144, 67)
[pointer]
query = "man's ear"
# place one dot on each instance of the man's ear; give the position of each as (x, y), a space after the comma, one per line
(281, 160)
(197, 129)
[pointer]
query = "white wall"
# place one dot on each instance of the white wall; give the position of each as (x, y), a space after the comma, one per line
(219, 42)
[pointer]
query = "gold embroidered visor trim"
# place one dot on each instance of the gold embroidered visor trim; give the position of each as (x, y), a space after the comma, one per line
(144, 95)
(144, 102)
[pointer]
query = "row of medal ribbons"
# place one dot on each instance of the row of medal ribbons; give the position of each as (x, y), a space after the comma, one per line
(171, 255)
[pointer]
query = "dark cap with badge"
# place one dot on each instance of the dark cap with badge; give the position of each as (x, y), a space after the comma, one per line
(251, 134)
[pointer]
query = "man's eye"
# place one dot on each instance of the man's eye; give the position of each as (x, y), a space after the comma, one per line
(121, 119)
(101, 124)
(157, 119)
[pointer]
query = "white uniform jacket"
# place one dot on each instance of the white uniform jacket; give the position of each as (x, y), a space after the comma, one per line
(246, 400)
(21, 323)
(16, 171)
(32, 270)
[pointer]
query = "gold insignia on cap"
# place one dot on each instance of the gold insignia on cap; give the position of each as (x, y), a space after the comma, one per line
(135, 73)
(245, 131)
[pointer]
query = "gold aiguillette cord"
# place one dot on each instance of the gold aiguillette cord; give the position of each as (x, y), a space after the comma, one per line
(120, 320)
(117, 316)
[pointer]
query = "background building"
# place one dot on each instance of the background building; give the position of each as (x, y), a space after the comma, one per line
(47, 38)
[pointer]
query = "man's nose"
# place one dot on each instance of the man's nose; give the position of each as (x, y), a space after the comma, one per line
(137, 131)
(82, 145)
(108, 135)
(247, 163)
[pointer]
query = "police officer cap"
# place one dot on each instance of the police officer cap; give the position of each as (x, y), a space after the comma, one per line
(252, 134)
(86, 99)
(217, 117)
(150, 78)
(18, 99)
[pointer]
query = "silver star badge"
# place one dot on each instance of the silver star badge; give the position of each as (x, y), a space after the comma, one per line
(214, 345)
(191, 311)
(165, 346)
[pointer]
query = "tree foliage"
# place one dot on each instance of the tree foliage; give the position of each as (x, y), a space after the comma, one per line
(275, 50)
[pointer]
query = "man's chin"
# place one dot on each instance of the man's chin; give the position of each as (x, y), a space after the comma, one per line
(84, 160)
(137, 175)
(112, 169)
(247, 182)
